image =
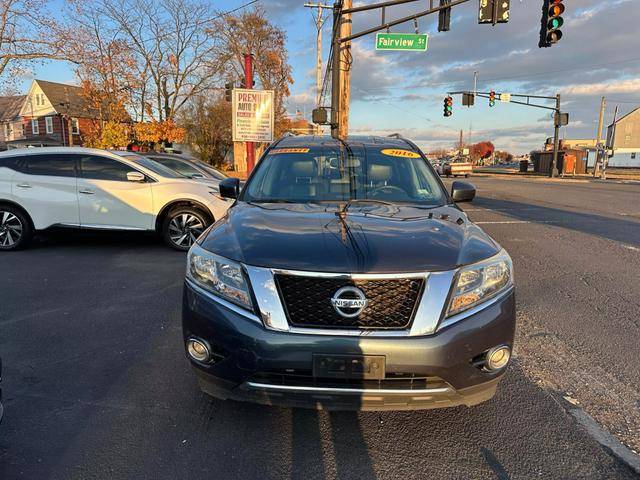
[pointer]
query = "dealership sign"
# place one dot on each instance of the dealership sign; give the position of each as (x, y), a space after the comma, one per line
(252, 115)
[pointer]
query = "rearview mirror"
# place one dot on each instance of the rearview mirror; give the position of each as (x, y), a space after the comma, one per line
(229, 187)
(462, 192)
(135, 177)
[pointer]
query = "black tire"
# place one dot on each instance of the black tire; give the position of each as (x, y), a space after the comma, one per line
(15, 228)
(466, 175)
(183, 225)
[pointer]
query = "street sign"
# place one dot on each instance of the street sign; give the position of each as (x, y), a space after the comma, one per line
(561, 119)
(505, 97)
(252, 115)
(416, 42)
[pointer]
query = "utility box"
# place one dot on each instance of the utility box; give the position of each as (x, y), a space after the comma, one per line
(570, 161)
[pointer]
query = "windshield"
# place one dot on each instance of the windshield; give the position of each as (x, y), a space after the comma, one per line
(152, 165)
(218, 175)
(339, 174)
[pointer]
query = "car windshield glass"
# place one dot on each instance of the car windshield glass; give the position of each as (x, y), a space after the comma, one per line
(218, 175)
(154, 166)
(337, 174)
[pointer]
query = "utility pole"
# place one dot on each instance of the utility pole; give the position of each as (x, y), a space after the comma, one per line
(603, 106)
(475, 83)
(319, 19)
(345, 72)
(460, 144)
(248, 83)
(556, 139)
(612, 144)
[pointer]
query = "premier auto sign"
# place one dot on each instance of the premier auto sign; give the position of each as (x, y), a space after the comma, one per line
(253, 115)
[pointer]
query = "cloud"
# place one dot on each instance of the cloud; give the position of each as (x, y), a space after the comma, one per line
(624, 86)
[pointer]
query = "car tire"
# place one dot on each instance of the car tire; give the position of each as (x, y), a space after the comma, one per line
(466, 175)
(15, 228)
(183, 225)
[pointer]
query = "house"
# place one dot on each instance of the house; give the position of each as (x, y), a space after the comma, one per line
(10, 121)
(624, 134)
(54, 114)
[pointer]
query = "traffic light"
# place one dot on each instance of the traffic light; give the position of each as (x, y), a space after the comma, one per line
(492, 98)
(448, 106)
(552, 21)
(444, 17)
(228, 91)
(493, 11)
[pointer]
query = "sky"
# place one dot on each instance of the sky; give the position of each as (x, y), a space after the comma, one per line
(403, 92)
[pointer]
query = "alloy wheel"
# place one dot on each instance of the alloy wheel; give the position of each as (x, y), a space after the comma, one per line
(184, 229)
(10, 229)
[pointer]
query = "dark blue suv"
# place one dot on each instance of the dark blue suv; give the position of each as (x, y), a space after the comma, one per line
(345, 277)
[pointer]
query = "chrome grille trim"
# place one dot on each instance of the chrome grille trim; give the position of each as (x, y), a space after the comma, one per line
(348, 390)
(425, 322)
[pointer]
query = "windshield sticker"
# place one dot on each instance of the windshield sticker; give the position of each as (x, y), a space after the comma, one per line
(396, 152)
(290, 150)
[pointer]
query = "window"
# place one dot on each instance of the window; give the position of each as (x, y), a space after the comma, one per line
(7, 131)
(35, 129)
(48, 123)
(102, 168)
(55, 165)
(75, 126)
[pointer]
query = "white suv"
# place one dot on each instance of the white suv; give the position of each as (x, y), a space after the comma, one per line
(96, 189)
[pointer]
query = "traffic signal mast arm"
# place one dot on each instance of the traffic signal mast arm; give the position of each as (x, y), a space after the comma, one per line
(527, 103)
(385, 25)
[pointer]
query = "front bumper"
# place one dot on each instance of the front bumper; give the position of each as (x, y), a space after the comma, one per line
(248, 353)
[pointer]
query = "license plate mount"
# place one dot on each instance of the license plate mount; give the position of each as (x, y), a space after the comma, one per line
(360, 367)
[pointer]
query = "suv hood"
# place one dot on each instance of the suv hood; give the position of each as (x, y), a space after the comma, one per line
(370, 238)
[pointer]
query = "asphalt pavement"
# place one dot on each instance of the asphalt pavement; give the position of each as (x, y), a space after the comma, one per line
(96, 384)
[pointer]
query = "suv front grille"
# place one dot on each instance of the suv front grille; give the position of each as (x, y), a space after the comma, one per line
(391, 303)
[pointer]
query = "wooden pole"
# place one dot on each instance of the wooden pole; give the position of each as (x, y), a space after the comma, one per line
(345, 72)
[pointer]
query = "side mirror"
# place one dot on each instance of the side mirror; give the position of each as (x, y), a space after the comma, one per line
(136, 177)
(462, 192)
(229, 187)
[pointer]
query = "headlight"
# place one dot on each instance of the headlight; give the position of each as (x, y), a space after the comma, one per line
(219, 276)
(479, 282)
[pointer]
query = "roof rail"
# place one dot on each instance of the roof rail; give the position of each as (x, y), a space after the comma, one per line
(406, 140)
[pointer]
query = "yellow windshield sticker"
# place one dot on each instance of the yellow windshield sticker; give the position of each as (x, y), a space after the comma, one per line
(396, 152)
(290, 150)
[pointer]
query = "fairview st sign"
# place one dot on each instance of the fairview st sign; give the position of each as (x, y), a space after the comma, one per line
(252, 115)
(416, 42)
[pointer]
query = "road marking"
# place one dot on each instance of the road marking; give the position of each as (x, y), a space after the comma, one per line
(605, 439)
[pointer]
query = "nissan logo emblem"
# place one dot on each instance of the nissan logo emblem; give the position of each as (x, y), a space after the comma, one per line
(349, 302)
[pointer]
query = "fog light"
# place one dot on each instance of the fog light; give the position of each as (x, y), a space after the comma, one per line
(198, 350)
(498, 357)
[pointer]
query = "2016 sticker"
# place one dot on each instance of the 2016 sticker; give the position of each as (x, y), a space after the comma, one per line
(396, 152)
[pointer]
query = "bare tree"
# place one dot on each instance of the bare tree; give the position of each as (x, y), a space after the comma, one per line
(171, 48)
(27, 33)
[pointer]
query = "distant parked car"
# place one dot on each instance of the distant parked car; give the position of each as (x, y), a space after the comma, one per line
(187, 166)
(457, 167)
(95, 189)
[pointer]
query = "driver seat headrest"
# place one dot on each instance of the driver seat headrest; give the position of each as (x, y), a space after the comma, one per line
(379, 173)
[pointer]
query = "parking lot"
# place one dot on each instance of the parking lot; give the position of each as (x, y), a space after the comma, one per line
(96, 383)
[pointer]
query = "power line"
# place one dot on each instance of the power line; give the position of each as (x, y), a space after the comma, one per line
(245, 5)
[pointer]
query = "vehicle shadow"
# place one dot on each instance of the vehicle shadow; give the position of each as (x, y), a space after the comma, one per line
(611, 228)
(73, 238)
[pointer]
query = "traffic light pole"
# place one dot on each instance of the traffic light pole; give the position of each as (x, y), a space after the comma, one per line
(556, 140)
(556, 118)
